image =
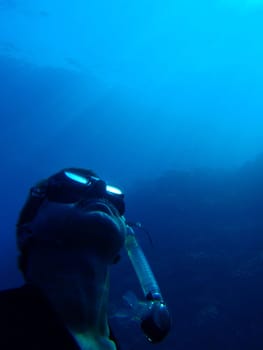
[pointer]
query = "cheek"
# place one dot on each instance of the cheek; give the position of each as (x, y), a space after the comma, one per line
(52, 222)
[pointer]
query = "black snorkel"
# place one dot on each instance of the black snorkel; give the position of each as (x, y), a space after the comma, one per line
(155, 320)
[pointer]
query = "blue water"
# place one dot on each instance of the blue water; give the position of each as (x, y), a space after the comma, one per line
(164, 99)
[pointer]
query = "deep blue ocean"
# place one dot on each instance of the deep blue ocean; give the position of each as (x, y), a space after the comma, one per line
(162, 98)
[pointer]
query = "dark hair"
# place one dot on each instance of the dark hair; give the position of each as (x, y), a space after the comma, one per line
(24, 234)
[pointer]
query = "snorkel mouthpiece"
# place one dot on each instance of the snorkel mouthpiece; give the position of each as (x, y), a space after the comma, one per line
(155, 321)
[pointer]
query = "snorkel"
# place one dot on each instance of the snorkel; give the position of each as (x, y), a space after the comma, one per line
(154, 319)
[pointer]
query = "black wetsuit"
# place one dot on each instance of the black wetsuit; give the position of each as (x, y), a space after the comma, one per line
(28, 322)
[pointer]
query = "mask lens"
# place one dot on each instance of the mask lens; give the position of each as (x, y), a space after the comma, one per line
(113, 190)
(70, 187)
(78, 178)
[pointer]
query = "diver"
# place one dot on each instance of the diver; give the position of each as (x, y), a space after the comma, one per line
(69, 232)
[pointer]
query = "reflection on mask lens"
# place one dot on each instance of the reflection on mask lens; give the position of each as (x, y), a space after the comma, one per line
(77, 178)
(112, 189)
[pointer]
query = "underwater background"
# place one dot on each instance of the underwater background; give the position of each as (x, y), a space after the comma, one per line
(164, 99)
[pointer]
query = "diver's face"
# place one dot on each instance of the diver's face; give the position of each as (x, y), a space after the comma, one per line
(93, 226)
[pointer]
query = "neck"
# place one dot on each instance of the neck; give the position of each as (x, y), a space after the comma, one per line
(81, 301)
(78, 292)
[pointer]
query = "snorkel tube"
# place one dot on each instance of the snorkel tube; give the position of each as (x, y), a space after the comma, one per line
(155, 319)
